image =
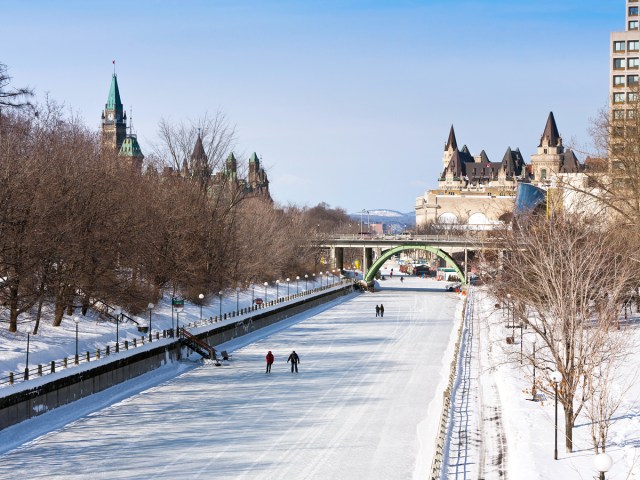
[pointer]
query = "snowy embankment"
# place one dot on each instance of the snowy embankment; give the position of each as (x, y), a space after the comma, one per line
(365, 384)
(515, 434)
(93, 333)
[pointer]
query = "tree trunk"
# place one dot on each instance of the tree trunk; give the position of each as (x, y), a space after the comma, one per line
(568, 427)
(13, 309)
(59, 310)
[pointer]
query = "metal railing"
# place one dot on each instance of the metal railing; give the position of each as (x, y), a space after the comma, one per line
(443, 426)
(68, 362)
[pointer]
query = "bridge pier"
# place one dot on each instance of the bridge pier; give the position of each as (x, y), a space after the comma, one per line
(367, 260)
(337, 257)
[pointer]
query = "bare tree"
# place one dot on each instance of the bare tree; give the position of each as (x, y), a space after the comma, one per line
(12, 97)
(177, 143)
(564, 278)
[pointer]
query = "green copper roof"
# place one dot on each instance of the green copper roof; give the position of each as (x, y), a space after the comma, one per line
(254, 159)
(130, 147)
(113, 101)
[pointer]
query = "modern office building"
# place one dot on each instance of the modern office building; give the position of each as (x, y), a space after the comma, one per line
(625, 65)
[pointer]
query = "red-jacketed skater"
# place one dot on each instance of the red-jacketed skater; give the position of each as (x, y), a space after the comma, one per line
(270, 360)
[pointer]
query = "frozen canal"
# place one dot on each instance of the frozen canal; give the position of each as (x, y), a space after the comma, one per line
(352, 412)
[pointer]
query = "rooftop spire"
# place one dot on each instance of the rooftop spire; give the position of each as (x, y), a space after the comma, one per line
(198, 150)
(451, 142)
(550, 136)
(113, 101)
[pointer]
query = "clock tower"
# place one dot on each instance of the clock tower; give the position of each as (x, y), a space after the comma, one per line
(114, 119)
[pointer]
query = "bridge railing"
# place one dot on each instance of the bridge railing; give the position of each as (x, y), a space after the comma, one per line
(444, 237)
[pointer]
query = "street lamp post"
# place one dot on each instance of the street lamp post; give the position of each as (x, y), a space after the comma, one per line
(77, 321)
(533, 387)
(266, 284)
(277, 294)
(178, 323)
(603, 463)
(297, 280)
(508, 309)
(361, 213)
(253, 294)
(201, 298)
(521, 328)
(306, 278)
(556, 377)
(220, 302)
(150, 307)
(237, 299)
(26, 367)
(288, 280)
(117, 312)
(320, 275)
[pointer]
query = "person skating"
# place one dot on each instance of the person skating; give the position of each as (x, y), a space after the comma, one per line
(401, 279)
(270, 360)
(381, 310)
(295, 360)
(377, 310)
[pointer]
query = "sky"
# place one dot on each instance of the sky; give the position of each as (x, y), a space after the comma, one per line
(346, 102)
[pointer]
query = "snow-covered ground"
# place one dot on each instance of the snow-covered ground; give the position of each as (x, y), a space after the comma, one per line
(56, 343)
(361, 406)
(498, 432)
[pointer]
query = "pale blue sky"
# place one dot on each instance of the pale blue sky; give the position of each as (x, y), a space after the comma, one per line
(348, 102)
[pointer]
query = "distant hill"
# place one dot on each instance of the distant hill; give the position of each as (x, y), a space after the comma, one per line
(387, 217)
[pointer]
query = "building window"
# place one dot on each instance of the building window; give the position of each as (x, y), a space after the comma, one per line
(618, 98)
(632, 97)
(618, 132)
(632, 80)
(633, 63)
(619, 63)
(543, 174)
(633, 45)
(633, 25)
(633, 11)
(618, 114)
(618, 46)
(618, 80)
(631, 114)
(617, 165)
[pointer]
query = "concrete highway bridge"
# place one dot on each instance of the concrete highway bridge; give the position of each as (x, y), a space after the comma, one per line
(383, 247)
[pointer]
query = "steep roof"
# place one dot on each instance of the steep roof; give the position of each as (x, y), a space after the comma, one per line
(254, 159)
(570, 163)
(512, 162)
(451, 142)
(130, 147)
(113, 100)
(550, 134)
(231, 165)
(198, 150)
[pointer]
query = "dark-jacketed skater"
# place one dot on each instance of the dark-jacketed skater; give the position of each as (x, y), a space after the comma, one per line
(295, 360)
(377, 310)
(381, 310)
(270, 360)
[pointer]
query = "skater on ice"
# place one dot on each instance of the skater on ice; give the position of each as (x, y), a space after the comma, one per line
(377, 310)
(381, 310)
(270, 360)
(294, 359)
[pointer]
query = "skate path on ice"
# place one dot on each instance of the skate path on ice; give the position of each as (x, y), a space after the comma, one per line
(365, 383)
